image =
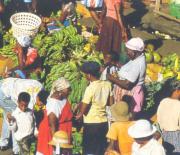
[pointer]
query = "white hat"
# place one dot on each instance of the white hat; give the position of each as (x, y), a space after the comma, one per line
(60, 84)
(24, 41)
(136, 44)
(141, 128)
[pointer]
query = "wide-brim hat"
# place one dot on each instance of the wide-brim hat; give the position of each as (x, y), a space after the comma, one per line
(60, 138)
(141, 129)
(120, 111)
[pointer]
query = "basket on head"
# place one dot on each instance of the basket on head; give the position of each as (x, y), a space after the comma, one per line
(24, 23)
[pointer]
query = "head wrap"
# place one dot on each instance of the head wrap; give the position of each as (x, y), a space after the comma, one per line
(60, 84)
(24, 41)
(135, 44)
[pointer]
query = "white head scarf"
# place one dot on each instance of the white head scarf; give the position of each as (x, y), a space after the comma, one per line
(24, 41)
(136, 44)
(60, 84)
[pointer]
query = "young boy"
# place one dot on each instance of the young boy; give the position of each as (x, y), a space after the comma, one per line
(22, 123)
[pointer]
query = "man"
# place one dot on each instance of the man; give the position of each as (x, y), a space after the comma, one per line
(93, 109)
(10, 88)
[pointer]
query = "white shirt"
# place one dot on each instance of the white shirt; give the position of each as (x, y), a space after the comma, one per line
(12, 87)
(55, 106)
(134, 70)
(25, 123)
(113, 69)
(151, 148)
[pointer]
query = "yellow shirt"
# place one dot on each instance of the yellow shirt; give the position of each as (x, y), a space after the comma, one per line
(97, 94)
(119, 131)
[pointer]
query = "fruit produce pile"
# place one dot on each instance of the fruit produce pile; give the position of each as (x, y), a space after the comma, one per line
(159, 68)
(63, 53)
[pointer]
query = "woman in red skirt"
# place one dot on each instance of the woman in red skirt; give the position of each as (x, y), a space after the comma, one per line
(57, 116)
(111, 27)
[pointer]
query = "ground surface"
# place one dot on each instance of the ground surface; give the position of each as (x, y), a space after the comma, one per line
(164, 47)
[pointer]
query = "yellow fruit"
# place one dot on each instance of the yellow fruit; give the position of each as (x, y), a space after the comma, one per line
(157, 57)
(176, 64)
(156, 68)
(87, 47)
(82, 10)
(150, 47)
(168, 74)
(178, 75)
(149, 57)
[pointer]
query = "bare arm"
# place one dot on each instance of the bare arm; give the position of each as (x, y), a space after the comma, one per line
(111, 147)
(83, 110)
(53, 123)
(117, 8)
(110, 101)
(125, 84)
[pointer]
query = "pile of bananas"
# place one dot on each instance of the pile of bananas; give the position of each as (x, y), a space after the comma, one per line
(8, 45)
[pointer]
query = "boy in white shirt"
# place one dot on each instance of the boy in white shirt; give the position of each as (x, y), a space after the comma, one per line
(22, 123)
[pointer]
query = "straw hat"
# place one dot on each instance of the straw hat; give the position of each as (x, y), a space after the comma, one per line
(60, 138)
(141, 129)
(120, 111)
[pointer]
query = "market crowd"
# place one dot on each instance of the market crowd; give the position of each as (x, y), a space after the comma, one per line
(110, 111)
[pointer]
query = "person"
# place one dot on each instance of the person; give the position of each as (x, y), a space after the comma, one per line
(111, 26)
(118, 132)
(22, 123)
(131, 75)
(58, 116)
(142, 131)
(40, 106)
(111, 65)
(10, 88)
(68, 14)
(1, 6)
(60, 141)
(25, 53)
(168, 118)
(93, 110)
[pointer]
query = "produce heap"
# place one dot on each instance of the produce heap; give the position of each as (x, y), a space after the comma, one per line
(63, 53)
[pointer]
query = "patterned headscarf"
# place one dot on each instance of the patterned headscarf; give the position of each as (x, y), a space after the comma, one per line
(60, 84)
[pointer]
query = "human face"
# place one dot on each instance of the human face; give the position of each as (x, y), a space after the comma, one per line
(65, 93)
(131, 54)
(107, 58)
(38, 102)
(22, 105)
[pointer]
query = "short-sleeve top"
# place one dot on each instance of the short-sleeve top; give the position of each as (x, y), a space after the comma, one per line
(134, 70)
(110, 5)
(55, 106)
(97, 94)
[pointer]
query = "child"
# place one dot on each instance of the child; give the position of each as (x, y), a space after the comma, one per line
(118, 132)
(22, 123)
(40, 106)
(111, 65)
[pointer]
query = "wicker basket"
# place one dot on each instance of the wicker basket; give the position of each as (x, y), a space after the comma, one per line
(24, 23)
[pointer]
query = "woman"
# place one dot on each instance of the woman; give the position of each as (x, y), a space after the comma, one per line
(93, 110)
(111, 27)
(168, 117)
(131, 75)
(68, 14)
(58, 116)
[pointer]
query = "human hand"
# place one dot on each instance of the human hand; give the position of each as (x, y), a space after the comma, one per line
(45, 19)
(79, 116)
(10, 118)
